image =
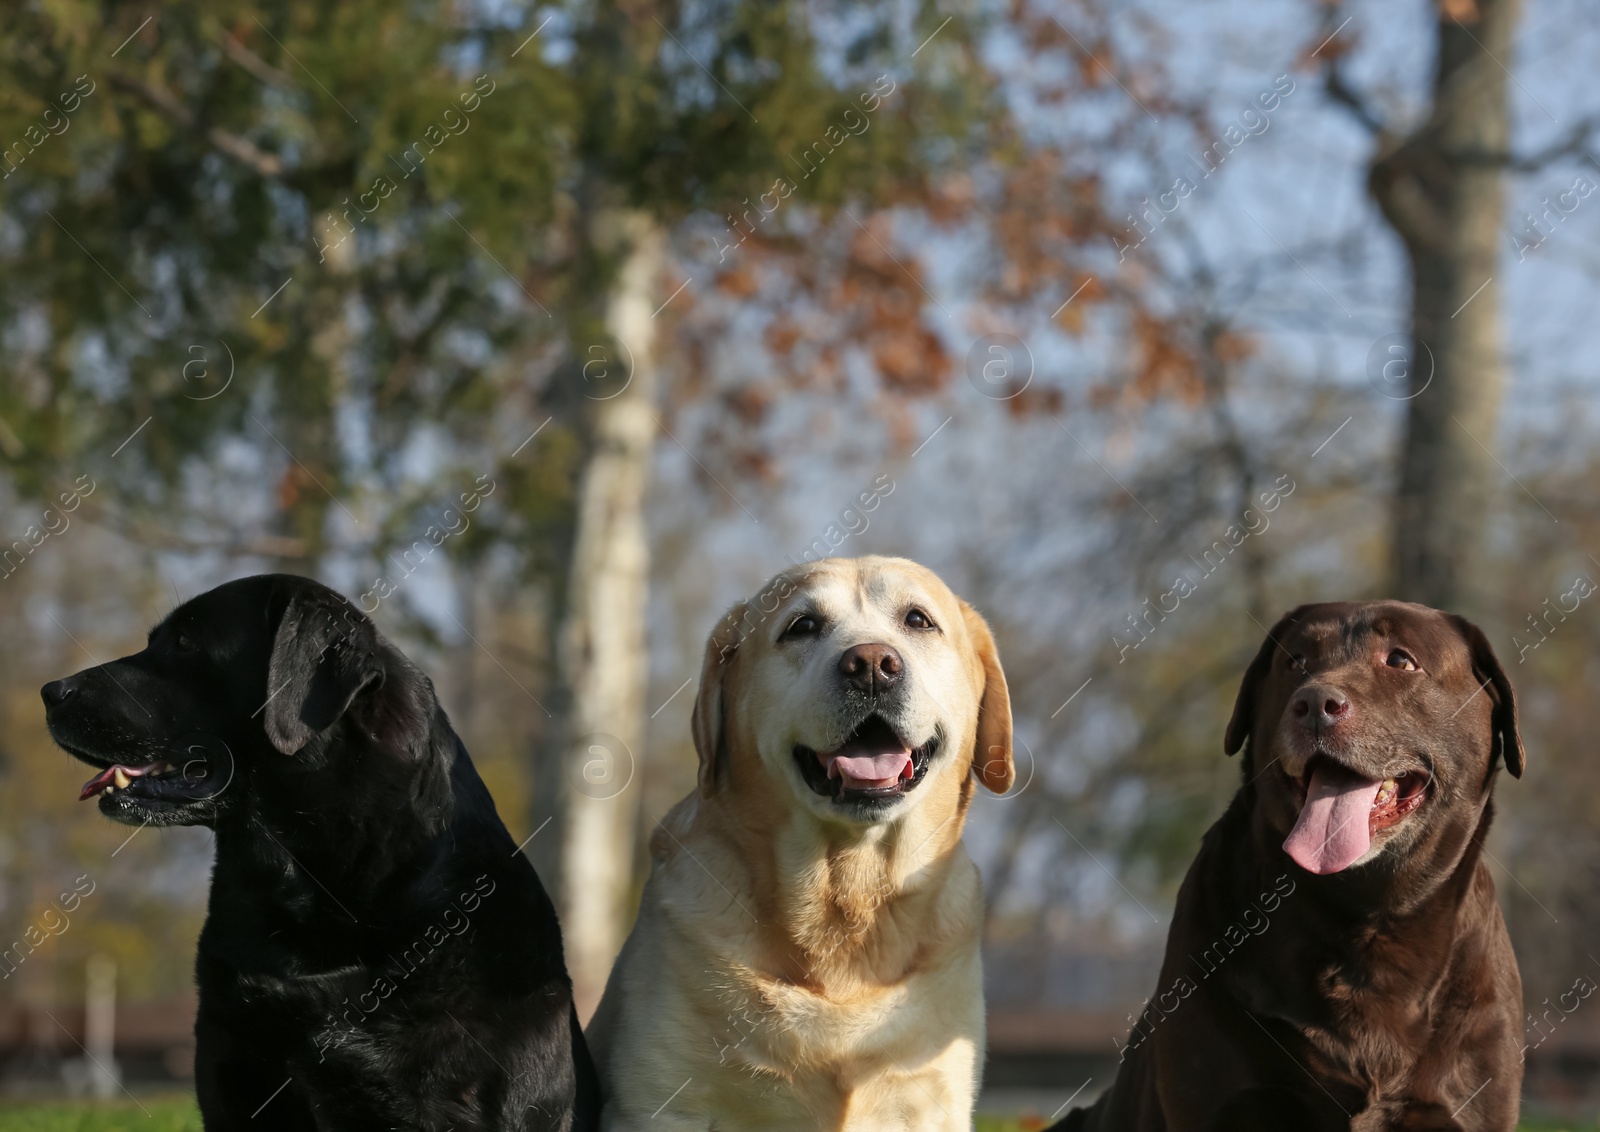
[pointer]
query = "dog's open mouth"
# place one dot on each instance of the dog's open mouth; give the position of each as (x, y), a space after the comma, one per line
(873, 763)
(152, 780)
(1342, 810)
(170, 791)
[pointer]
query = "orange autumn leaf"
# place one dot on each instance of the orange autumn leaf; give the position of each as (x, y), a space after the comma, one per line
(740, 282)
(781, 336)
(1163, 365)
(1232, 346)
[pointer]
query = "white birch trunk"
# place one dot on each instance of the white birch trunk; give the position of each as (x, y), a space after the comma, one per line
(603, 651)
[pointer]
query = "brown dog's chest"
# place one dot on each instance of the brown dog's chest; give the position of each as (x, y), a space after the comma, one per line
(1409, 1035)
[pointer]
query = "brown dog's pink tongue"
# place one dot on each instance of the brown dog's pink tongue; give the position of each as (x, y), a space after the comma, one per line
(1332, 832)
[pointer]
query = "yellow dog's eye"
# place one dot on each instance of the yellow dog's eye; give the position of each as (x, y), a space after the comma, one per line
(917, 619)
(801, 626)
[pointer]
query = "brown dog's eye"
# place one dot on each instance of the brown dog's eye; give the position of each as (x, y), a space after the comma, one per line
(1297, 663)
(1399, 658)
(802, 626)
(917, 619)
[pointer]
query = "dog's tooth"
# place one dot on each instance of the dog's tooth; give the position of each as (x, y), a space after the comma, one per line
(120, 778)
(107, 790)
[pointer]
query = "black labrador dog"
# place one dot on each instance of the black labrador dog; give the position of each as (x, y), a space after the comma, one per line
(377, 953)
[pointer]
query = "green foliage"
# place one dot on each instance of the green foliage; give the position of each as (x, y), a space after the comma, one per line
(375, 218)
(350, 155)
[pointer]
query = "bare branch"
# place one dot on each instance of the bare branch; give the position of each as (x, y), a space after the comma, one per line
(1344, 95)
(255, 64)
(159, 537)
(1575, 144)
(242, 150)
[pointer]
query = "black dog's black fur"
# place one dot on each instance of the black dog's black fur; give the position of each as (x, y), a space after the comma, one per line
(377, 953)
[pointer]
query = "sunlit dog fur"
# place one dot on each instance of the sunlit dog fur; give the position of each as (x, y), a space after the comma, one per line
(800, 962)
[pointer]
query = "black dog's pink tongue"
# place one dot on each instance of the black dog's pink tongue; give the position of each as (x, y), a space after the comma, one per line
(1332, 831)
(99, 782)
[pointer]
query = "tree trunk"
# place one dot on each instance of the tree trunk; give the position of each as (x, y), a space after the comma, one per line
(1442, 190)
(601, 646)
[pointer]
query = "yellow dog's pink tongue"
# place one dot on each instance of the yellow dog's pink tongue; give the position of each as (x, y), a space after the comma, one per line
(867, 772)
(1331, 833)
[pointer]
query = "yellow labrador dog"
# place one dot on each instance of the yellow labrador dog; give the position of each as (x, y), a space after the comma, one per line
(806, 954)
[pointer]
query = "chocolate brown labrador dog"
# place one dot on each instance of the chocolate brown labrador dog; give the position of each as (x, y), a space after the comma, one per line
(1337, 959)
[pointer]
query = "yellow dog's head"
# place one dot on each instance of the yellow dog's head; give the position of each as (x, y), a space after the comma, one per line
(862, 685)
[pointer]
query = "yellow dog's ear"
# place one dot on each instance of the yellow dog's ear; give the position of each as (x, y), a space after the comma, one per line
(991, 754)
(708, 724)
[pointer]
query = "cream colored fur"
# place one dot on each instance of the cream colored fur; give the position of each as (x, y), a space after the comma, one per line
(796, 966)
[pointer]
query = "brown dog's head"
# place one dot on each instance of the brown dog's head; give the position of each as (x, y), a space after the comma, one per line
(856, 687)
(1371, 724)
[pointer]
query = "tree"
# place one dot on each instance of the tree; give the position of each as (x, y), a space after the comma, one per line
(1440, 186)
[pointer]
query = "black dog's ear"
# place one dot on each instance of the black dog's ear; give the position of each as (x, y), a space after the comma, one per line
(324, 653)
(1486, 669)
(1244, 707)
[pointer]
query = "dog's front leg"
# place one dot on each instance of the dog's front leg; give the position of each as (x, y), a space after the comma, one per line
(242, 1085)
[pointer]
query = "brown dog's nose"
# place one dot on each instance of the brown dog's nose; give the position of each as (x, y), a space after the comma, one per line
(1319, 707)
(872, 668)
(55, 692)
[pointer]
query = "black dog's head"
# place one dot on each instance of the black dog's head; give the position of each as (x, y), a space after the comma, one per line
(268, 677)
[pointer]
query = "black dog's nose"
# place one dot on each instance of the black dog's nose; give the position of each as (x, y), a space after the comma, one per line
(872, 668)
(56, 692)
(1319, 707)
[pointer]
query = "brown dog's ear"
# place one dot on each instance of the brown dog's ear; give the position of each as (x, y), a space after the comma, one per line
(708, 723)
(1244, 707)
(1486, 669)
(323, 654)
(991, 754)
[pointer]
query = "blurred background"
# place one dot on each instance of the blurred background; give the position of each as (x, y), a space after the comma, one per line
(547, 331)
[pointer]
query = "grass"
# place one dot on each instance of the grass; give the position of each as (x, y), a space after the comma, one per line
(166, 1114)
(178, 1114)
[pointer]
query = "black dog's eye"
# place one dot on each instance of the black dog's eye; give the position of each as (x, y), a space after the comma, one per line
(803, 626)
(917, 619)
(183, 644)
(1399, 658)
